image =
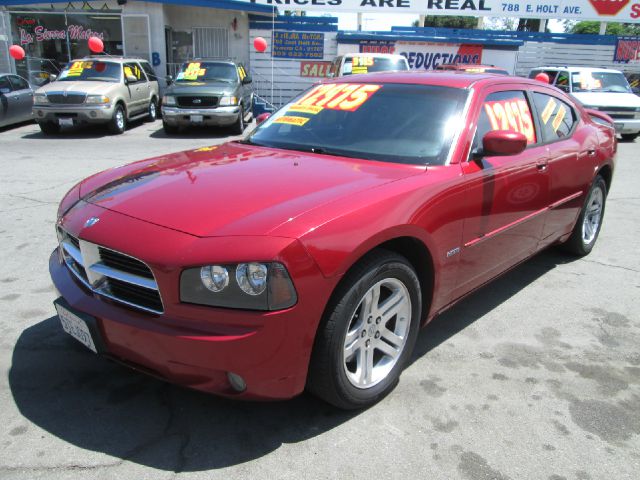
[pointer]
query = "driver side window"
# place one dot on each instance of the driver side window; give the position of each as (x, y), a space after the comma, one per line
(134, 70)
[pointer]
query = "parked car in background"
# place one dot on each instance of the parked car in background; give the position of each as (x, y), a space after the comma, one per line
(309, 254)
(602, 89)
(16, 99)
(212, 93)
(98, 90)
(634, 82)
(356, 63)
(472, 68)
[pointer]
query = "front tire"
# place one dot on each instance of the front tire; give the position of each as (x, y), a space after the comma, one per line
(368, 333)
(629, 137)
(49, 128)
(587, 228)
(238, 127)
(118, 123)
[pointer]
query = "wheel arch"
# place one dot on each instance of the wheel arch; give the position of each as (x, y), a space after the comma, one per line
(606, 172)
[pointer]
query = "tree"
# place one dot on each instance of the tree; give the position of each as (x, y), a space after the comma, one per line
(448, 21)
(593, 27)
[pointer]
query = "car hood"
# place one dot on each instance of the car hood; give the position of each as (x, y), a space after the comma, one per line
(83, 87)
(607, 99)
(234, 189)
(201, 88)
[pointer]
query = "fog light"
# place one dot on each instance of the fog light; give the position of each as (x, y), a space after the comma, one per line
(237, 382)
(93, 114)
(40, 113)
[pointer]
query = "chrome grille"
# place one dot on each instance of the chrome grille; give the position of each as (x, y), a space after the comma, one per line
(68, 99)
(112, 274)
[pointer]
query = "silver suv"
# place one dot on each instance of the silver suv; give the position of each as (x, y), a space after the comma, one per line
(98, 90)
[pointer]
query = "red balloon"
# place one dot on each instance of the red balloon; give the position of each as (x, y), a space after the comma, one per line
(96, 45)
(16, 52)
(260, 44)
(542, 77)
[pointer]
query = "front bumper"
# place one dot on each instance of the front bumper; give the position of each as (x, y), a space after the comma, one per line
(197, 346)
(627, 126)
(80, 114)
(216, 117)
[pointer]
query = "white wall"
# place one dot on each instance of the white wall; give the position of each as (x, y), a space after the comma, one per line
(537, 54)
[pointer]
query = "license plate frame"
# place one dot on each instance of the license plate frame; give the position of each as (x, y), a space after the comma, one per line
(79, 326)
(197, 118)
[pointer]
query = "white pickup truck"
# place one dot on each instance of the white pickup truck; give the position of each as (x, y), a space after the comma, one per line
(601, 89)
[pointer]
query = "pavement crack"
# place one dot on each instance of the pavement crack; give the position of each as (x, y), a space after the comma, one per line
(604, 264)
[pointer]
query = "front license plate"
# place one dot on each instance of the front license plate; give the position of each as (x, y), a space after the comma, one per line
(76, 327)
(65, 121)
(197, 118)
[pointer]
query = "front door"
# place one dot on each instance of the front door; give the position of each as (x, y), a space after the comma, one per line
(138, 87)
(23, 97)
(506, 196)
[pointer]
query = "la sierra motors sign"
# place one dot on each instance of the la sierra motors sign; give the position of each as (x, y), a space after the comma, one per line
(627, 11)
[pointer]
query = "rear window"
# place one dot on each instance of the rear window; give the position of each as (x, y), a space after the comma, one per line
(207, 71)
(557, 118)
(366, 64)
(398, 123)
(92, 70)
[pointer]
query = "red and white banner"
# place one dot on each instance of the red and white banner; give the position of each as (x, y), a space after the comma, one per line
(627, 11)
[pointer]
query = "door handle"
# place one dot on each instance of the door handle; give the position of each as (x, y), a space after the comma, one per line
(591, 152)
(542, 165)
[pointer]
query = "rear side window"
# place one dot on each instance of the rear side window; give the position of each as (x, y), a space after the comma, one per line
(5, 87)
(508, 110)
(562, 82)
(557, 118)
(18, 83)
(151, 75)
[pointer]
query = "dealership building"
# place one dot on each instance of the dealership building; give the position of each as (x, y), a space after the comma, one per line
(299, 48)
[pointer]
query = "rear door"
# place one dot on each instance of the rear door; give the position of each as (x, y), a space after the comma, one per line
(23, 95)
(138, 87)
(572, 148)
(506, 196)
(6, 100)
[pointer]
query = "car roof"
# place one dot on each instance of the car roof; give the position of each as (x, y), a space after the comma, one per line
(109, 58)
(444, 78)
(578, 69)
(373, 54)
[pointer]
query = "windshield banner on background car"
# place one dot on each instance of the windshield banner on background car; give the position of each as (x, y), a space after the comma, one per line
(627, 11)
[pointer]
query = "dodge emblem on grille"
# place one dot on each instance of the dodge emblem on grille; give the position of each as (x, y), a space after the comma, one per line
(197, 100)
(91, 222)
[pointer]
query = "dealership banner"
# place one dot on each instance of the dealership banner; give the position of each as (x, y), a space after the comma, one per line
(627, 50)
(425, 55)
(627, 11)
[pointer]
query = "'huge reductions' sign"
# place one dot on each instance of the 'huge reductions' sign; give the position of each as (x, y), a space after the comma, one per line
(627, 11)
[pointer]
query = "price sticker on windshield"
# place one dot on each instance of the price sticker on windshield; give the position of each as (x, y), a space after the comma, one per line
(347, 97)
(512, 114)
(77, 68)
(193, 71)
(291, 120)
(361, 64)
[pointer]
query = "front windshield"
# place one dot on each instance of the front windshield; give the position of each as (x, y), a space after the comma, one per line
(96, 71)
(368, 64)
(600, 82)
(398, 123)
(207, 71)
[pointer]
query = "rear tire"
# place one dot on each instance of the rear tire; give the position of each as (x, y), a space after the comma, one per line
(363, 344)
(629, 137)
(152, 112)
(49, 128)
(587, 228)
(118, 123)
(169, 129)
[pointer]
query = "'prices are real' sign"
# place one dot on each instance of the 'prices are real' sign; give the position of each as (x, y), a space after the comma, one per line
(627, 11)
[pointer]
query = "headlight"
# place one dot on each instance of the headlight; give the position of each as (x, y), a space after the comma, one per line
(250, 286)
(40, 98)
(227, 101)
(97, 99)
(168, 100)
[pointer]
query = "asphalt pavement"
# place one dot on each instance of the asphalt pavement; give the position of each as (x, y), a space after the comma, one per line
(536, 376)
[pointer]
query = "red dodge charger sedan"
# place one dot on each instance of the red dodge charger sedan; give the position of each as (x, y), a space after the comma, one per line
(309, 254)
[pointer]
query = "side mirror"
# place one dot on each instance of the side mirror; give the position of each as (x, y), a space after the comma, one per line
(262, 117)
(503, 142)
(53, 77)
(247, 80)
(131, 79)
(168, 79)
